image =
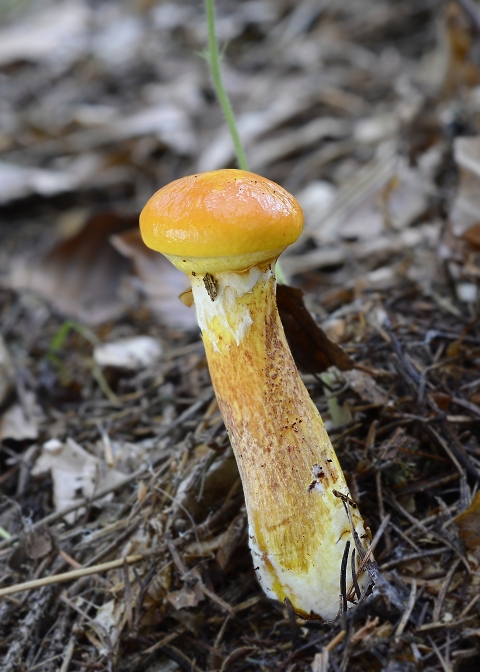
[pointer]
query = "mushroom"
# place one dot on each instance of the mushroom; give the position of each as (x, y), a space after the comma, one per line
(226, 229)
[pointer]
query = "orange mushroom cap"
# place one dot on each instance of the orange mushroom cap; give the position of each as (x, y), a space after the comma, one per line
(235, 215)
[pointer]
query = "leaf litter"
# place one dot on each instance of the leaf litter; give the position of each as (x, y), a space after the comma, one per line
(113, 449)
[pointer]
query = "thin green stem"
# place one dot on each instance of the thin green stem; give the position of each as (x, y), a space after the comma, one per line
(279, 274)
(4, 534)
(214, 61)
(57, 343)
(216, 74)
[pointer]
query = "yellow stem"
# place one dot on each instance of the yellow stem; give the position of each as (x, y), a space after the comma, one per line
(298, 527)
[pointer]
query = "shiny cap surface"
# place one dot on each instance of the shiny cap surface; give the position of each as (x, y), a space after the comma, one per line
(223, 213)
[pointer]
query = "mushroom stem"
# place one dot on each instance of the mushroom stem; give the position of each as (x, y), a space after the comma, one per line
(226, 229)
(298, 527)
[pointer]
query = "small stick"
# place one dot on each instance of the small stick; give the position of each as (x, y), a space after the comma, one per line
(431, 533)
(343, 577)
(127, 595)
(292, 622)
(336, 640)
(469, 606)
(381, 508)
(443, 592)
(441, 442)
(358, 592)
(408, 611)
(444, 663)
(165, 640)
(68, 654)
(225, 606)
(70, 576)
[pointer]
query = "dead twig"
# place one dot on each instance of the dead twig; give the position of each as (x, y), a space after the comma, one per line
(445, 588)
(70, 576)
(408, 611)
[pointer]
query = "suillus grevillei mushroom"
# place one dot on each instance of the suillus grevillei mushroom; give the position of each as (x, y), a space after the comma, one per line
(226, 229)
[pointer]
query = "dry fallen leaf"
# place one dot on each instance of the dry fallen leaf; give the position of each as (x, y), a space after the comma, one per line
(355, 211)
(272, 150)
(33, 544)
(466, 208)
(400, 440)
(365, 630)
(58, 34)
(7, 373)
(20, 421)
(160, 280)
(211, 474)
(312, 350)
(76, 475)
(110, 616)
(472, 235)
(452, 66)
(232, 539)
(188, 596)
(460, 241)
(137, 352)
(316, 200)
(17, 182)
(168, 123)
(252, 125)
(468, 524)
(81, 276)
(365, 386)
(321, 661)
(459, 42)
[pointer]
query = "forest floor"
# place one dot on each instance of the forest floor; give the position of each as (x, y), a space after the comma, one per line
(113, 449)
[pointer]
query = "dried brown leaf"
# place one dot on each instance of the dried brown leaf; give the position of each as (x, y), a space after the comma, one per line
(59, 30)
(365, 386)
(466, 208)
(188, 596)
(312, 350)
(365, 630)
(472, 235)
(231, 540)
(134, 353)
(81, 276)
(7, 373)
(161, 281)
(468, 524)
(20, 421)
(17, 182)
(76, 474)
(421, 132)
(110, 617)
(388, 450)
(34, 544)
(459, 39)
